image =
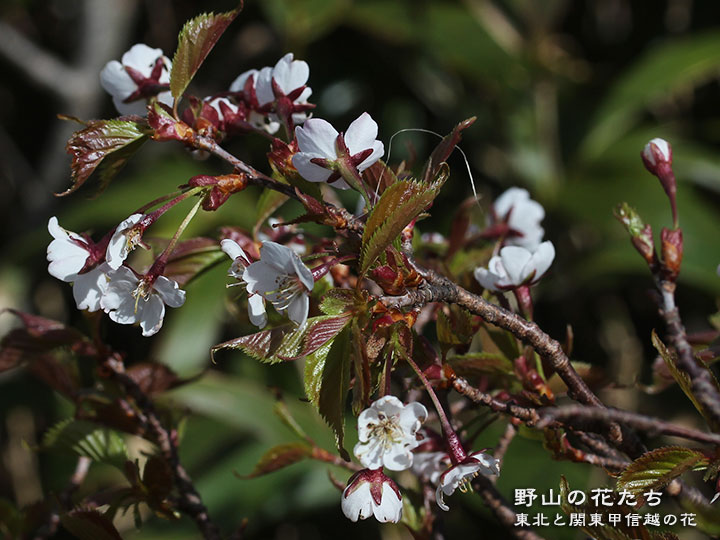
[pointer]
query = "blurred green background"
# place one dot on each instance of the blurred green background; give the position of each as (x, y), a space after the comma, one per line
(565, 93)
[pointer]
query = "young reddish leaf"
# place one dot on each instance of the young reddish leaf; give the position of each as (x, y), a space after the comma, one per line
(444, 149)
(655, 469)
(158, 477)
(321, 331)
(268, 346)
(399, 205)
(379, 177)
(109, 143)
(154, 378)
(195, 41)
(89, 525)
(334, 387)
(279, 457)
(55, 374)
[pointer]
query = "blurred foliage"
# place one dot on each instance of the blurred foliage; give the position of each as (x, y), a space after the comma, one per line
(566, 95)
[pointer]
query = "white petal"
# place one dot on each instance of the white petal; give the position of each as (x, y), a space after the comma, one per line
(378, 149)
(150, 314)
(302, 271)
(317, 136)
(298, 309)
(116, 81)
(256, 310)
(439, 499)
(366, 418)
(261, 278)
(397, 457)
(290, 74)
(117, 250)
(542, 259)
(511, 197)
(142, 58)
(169, 291)
(238, 85)
(357, 504)
(361, 134)
(514, 260)
(487, 279)
(232, 249)
(278, 256)
(308, 170)
(390, 507)
(89, 288)
(412, 416)
(263, 86)
(370, 454)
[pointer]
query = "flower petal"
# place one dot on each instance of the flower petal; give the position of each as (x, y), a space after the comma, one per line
(116, 81)
(142, 58)
(263, 86)
(151, 312)
(514, 260)
(542, 259)
(238, 85)
(390, 508)
(118, 247)
(378, 149)
(88, 288)
(232, 249)
(311, 172)
(299, 308)
(356, 502)
(256, 310)
(361, 134)
(317, 136)
(169, 291)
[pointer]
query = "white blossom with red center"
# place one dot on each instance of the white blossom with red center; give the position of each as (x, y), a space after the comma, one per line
(125, 238)
(371, 493)
(131, 300)
(72, 260)
(516, 266)
(522, 216)
(388, 433)
(256, 302)
(142, 73)
(462, 474)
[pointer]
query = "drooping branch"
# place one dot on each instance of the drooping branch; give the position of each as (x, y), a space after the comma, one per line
(188, 501)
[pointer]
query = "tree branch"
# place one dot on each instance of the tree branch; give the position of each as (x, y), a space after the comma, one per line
(189, 501)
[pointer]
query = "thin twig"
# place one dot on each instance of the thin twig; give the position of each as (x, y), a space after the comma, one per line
(526, 414)
(576, 414)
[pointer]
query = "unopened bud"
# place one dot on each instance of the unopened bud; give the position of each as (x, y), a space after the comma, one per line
(641, 234)
(672, 252)
(657, 157)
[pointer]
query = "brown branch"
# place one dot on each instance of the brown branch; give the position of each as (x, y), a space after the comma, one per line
(189, 501)
(703, 386)
(579, 415)
(526, 414)
(502, 509)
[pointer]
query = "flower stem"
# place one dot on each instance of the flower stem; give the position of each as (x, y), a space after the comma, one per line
(159, 264)
(457, 452)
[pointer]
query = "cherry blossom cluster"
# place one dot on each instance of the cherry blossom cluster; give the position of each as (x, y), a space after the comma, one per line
(523, 258)
(390, 437)
(101, 280)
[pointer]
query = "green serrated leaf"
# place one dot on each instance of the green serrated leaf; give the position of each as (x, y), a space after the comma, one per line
(337, 301)
(682, 378)
(655, 469)
(86, 439)
(334, 387)
(195, 41)
(399, 205)
(313, 372)
(279, 457)
(109, 143)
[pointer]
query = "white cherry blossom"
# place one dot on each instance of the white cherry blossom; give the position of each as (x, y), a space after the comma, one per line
(462, 474)
(387, 432)
(318, 139)
(430, 465)
(281, 278)
(129, 300)
(522, 215)
(123, 241)
(68, 255)
(516, 266)
(371, 493)
(256, 302)
(116, 78)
